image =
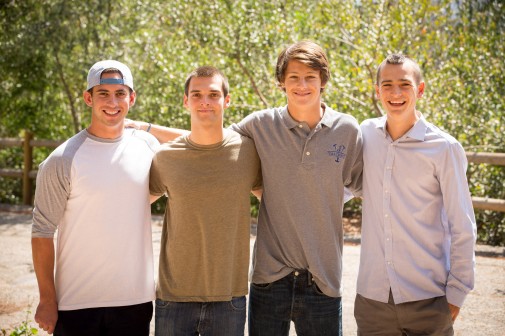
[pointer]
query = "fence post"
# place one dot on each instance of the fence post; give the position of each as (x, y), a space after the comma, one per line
(27, 167)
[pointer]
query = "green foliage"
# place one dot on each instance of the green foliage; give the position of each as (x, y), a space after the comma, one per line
(48, 46)
(24, 329)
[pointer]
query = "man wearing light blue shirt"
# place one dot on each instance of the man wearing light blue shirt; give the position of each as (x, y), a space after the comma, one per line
(418, 231)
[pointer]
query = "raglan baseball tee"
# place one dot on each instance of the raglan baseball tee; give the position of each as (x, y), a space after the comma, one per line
(94, 193)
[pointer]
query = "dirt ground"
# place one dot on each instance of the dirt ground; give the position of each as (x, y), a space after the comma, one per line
(482, 314)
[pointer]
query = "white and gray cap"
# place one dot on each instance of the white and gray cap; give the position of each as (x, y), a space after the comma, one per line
(95, 74)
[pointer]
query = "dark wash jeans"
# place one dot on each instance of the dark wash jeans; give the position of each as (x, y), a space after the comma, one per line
(131, 320)
(225, 318)
(293, 298)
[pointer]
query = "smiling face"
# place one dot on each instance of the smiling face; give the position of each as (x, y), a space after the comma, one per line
(110, 104)
(398, 90)
(302, 85)
(206, 101)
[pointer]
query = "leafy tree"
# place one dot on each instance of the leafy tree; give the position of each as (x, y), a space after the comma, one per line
(48, 46)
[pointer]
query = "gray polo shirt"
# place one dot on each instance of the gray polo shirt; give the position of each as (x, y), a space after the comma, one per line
(304, 175)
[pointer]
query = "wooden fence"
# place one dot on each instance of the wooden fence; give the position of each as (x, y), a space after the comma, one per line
(28, 174)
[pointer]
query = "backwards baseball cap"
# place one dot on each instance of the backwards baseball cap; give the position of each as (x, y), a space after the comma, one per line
(95, 74)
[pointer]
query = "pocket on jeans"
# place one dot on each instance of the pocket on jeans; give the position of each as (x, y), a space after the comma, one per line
(161, 304)
(262, 286)
(238, 303)
(317, 290)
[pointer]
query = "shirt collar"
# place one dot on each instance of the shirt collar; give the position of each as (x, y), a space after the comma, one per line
(417, 132)
(327, 120)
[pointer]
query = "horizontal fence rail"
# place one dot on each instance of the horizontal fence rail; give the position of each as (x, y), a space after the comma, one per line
(28, 174)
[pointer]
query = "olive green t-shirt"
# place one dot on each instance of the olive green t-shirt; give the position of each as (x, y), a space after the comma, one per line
(206, 229)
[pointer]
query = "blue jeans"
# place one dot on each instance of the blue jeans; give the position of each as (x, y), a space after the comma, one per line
(295, 298)
(205, 318)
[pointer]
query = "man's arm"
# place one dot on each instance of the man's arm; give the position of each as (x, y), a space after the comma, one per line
(153, 198)
(43, 263)
(258, 193)
(162, 133)
(454, 311)
(462, 226)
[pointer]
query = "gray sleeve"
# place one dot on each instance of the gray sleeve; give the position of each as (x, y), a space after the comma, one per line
(53, 189)
(246, 126)
(354, 183)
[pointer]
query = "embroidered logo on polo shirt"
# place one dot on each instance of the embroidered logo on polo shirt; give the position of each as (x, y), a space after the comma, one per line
(338, 152)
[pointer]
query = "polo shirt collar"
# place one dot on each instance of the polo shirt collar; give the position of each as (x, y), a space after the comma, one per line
(327, 120)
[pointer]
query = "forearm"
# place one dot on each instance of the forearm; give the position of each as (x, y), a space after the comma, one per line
(43, 263)
(258, 193)
(162, 133)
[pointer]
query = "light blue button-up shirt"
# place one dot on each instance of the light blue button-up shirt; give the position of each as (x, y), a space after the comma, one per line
(418, 230)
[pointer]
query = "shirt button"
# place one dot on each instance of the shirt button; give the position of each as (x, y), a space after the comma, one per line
(386, 215)
(297, 273)
(301, 126)
(308, 153)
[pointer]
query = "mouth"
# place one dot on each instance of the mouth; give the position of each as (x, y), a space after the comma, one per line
(111, 113)
(302, 94)
(396, 103)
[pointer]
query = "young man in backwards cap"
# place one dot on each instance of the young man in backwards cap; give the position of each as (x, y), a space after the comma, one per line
(94, 191)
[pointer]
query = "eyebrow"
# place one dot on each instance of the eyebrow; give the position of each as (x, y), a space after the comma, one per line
(401, 80)
(297, 72)
(105, 90)
(191, 91)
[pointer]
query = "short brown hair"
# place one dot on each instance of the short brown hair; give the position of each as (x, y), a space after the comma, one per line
(306, 52)
(400, 59)
(207, 71)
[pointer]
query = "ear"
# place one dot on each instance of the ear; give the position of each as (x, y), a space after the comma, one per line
(227, 101)
(133, 98)
(185, 102)
(88, 98)
(377, 93)
(420, 90)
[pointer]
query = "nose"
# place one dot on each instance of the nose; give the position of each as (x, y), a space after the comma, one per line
(302, 82)
(112, 100)
(396, 90)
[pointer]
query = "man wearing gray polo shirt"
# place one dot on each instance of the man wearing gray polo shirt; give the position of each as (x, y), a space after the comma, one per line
(308, 153)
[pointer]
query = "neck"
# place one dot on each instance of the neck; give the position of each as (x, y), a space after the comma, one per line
(308, 114)
(107, 132)
(397, 127)
(206, 135)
